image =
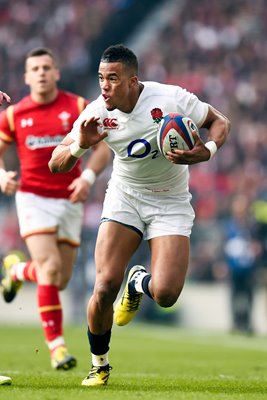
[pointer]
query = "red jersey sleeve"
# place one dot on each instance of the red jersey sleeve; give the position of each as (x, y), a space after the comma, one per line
(7, 126)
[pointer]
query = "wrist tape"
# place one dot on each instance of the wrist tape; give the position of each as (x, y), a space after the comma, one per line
(212, 147)
(89, 176)
(76, 150)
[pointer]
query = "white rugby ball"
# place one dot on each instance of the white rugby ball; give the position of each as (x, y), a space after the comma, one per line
(175, 131)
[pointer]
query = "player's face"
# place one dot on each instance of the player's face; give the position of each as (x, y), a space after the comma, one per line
(41, 74)
(117, 86)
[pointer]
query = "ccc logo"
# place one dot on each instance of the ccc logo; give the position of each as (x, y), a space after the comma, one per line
(110, 123)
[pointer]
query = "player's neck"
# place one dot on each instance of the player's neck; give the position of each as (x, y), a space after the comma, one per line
(44, 98)
(134, 98)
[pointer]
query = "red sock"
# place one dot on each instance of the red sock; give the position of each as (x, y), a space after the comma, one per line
(29, 272)
(24, 272)
(50, 311)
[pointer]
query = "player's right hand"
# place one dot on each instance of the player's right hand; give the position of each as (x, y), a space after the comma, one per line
(91, 132)
(8, 183)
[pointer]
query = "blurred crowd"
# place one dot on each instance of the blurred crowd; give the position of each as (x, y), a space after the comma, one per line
(68, 27)
(216, 49)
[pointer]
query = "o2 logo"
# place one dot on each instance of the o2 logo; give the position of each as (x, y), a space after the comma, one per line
(140, 148)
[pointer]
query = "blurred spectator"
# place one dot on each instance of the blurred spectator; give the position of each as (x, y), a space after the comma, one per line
(241, 254)
(259, 209)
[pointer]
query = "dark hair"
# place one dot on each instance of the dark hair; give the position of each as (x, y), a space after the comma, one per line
(120, 53)
(40, 51)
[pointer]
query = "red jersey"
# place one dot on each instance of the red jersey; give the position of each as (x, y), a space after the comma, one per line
(37, 129)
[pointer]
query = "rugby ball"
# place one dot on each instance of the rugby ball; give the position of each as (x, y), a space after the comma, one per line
(175, 132)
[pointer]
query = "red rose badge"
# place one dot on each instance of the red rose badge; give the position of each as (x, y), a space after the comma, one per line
(156, 114)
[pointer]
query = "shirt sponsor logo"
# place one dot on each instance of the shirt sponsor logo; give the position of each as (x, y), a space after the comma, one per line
(35, 142)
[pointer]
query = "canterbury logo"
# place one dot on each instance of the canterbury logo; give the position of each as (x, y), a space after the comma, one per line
(110, 123)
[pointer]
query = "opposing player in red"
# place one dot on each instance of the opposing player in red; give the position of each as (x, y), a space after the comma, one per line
(49, 207)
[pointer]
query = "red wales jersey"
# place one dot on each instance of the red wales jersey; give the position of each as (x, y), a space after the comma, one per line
(37, 129)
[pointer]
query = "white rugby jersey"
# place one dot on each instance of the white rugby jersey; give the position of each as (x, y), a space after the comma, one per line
(133, 137)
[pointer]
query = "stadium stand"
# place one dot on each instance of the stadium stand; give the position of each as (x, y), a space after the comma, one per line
(216, 49)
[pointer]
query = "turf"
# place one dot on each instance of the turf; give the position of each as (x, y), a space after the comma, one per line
(149, 362)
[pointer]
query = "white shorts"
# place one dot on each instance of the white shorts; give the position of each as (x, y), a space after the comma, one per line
(149, 214)
(38, 214)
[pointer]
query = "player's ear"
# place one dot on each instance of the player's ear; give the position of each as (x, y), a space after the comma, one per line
(133, 81)
(26, 78)
(57, 75)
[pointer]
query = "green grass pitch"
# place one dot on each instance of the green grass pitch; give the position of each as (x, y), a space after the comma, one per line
(149, 362)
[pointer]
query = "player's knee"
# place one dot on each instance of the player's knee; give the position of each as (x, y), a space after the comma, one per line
(165, 300)
(50, 272)
(106, 293)
(62, 283)
(166, 297)
(52, 275)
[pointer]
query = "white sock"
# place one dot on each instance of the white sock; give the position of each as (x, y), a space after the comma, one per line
(138, 278)
(18, 271)
(53, 344)
(100, 361)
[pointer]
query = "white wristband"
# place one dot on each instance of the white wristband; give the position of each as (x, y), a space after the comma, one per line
(89, 176)
(76, 150)
(212, 147)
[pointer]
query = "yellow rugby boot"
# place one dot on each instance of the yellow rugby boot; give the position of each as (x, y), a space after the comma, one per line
(61, 360)
(10, 287)
(130, 301)
(97, 376)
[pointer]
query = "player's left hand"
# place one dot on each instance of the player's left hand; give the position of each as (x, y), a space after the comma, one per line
(80, 190)
(198, 154)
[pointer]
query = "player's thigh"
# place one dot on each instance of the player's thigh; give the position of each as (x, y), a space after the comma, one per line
(37, 214)
(169, 261)
(115, 245)
(68, 256)
(43, 249)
